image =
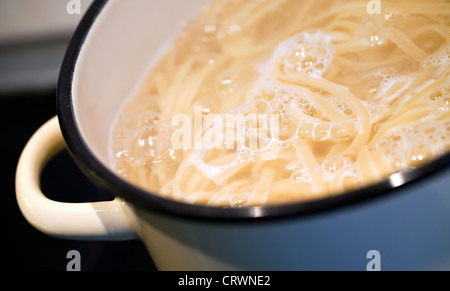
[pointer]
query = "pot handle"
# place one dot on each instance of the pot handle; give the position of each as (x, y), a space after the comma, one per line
(80, 221)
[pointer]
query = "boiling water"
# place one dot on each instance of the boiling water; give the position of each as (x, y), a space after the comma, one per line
(296, 101)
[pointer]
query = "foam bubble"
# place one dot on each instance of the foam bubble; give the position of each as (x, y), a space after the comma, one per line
(146, 136)
(438, 62)
(409, 146)
(440, 98)
(334, 166)
(384, 85)
(376, 110)
(306, 52)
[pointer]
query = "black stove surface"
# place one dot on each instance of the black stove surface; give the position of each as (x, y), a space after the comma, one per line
(26, 248)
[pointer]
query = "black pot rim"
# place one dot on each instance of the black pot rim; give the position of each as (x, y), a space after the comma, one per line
(111, 183)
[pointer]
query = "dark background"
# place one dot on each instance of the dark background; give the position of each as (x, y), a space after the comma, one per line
(33, 39)
(26, 248)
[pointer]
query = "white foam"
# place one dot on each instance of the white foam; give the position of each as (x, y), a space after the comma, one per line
(426, 137)
(439, 61)
(146, 136)
(308, 53)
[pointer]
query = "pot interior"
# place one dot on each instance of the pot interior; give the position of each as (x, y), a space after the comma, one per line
(121, 46)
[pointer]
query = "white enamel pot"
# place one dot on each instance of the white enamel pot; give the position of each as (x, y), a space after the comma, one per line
(402, 223)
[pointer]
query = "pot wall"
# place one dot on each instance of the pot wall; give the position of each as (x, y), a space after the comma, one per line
(410, 230)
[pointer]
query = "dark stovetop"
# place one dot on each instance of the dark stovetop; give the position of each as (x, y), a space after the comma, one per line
(26, 248)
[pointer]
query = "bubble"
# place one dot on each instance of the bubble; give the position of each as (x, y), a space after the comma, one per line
(288, 127)
(145, 136)
(333, 165)
(413, 145)
(266, 95)
(306, 52)
(122, 154)
(239, 200)
(300, 176)
(277, 106)
(305, 131)
(150, 142)
(256, 156)
(321, 131)
(438, 62)
(370, 33)
(375, 110)
(312, 111)
(376, 39)
(245, 154)
(418, 157)
(208, 105)
(233, 29)
(261, 107)
(228, 86)
(376, 84)
(343, 131)
(436, 96)
(441, 98)
(124, 168)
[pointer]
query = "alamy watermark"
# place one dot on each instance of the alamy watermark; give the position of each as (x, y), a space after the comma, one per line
(75, 261)
(227, 132)
(73, 7)
(375, 261)
(374, 7)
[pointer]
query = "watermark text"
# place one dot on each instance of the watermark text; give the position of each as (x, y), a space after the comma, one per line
(374, 7)
(227, 132)
(375, 260)
(75, 261)
(73, 7)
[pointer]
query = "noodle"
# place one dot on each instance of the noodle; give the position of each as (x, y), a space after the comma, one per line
(290, 101)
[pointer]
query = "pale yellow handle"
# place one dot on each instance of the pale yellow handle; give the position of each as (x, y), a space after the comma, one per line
(82, 221)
